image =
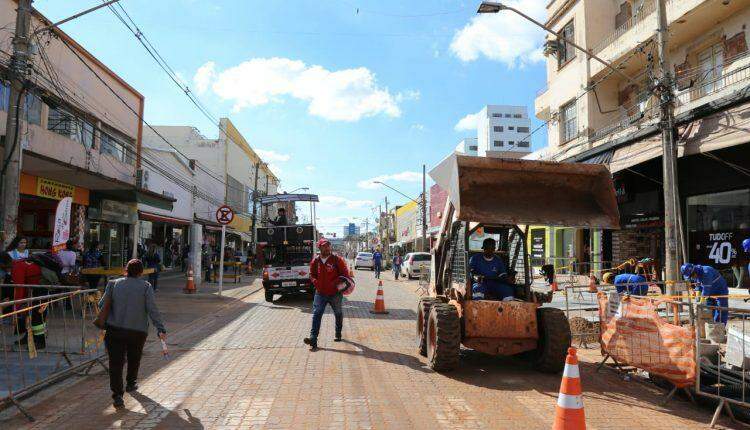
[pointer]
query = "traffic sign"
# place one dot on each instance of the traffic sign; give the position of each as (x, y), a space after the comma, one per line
(224, 215)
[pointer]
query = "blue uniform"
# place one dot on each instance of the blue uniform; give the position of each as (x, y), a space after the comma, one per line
(631, 284)
(493, 288)
(710, 283)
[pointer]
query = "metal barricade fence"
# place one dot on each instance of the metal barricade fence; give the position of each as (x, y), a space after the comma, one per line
(46, 337)
(723, 358)
(582, 311)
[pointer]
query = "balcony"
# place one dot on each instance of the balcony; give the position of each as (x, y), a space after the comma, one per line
(541, 105)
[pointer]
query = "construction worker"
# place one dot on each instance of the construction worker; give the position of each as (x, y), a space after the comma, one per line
(746, 248)
(630, 283)
(712, 286)
(377, 262)
(490, 274)
(40, 269)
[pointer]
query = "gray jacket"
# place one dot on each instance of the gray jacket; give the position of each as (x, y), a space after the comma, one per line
(132, 305)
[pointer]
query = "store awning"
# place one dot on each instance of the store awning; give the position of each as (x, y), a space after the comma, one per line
(720, 130)
(635, 153)
(284, 197)
(148, 216)
(600, 158)
(142, 196)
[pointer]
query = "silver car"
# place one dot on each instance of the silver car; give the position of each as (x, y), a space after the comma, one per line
(415, 264)
(364, 260)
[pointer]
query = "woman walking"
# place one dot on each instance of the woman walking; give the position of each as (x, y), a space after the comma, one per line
(152, 260)
(397, 262)
(128, 304)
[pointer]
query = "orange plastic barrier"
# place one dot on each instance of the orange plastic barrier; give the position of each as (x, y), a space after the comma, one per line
(634, 334)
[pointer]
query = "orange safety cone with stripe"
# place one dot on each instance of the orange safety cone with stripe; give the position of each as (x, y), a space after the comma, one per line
(379, 301)
(569, 410)
(190, 284)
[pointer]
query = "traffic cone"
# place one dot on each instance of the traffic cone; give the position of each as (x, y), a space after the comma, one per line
(189, 285)
(379, 301)
(592, 284)
(569, 410)
(554, 286)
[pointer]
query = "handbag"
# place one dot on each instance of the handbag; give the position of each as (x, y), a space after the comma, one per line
(101, 318)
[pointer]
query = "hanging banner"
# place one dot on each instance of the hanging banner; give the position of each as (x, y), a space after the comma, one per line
(62, 224)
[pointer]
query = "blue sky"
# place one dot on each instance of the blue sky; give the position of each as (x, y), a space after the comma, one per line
(333, 93)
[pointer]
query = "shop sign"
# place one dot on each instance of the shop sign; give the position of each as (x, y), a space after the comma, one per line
(61, 233)
(643, 221)
(538, 244)
(718, 248)
(53, 189)
(114, 211)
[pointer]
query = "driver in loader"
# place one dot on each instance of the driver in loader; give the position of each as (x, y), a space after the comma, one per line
(490, 274)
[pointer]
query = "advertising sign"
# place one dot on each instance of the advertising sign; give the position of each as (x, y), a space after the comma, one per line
(61, 232)
(538, 246)
(720, 249)
(53, 189)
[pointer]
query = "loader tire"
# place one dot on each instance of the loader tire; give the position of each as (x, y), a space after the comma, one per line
(443, 337)
(554, 340)
(423, 314)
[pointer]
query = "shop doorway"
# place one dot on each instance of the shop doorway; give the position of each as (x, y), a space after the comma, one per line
(113, 237)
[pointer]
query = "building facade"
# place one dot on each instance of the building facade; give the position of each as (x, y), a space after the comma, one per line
(503, 131)
(599, 116)
(468, 146)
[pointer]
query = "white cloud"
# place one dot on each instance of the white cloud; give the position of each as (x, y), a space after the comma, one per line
(339, 95)
(503, 36)
(272, 156)
(203, 76)
(418, 127)
(310, 168)
(369, 184)
(469, 122)
(344, 203)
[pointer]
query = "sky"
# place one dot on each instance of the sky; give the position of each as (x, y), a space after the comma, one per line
(334, 94)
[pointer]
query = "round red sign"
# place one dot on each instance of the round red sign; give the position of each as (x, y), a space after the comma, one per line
(224, 215)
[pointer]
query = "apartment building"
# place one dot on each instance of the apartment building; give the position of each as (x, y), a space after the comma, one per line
(468, 146)
(503, 131)
(599, 116)
(81, 137)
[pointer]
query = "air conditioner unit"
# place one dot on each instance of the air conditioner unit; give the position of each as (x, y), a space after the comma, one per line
(551, 47)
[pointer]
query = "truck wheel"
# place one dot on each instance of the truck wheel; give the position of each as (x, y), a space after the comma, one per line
(269, 297)
(554, 340)
(423, 313)
(443, 337)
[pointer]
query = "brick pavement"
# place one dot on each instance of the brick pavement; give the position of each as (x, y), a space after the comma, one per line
(246, 367)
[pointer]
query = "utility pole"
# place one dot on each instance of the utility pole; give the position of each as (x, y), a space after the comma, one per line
(255, 204)
(672, 222)
(387, 241)
(425, 248)
(11, 166)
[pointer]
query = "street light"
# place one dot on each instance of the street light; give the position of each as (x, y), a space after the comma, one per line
(422, 204)
(386, 185)
(300, 188)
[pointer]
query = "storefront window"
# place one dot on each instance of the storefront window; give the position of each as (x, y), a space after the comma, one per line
(729, 210)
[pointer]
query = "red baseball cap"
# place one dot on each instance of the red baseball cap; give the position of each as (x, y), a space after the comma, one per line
(323, 241)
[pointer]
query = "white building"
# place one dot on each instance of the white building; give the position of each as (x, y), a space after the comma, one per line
(503, 131)
(468, 146)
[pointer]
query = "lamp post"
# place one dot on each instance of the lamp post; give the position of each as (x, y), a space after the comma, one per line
(300, 188)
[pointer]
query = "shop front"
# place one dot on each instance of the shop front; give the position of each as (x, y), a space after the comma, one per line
(170, 235)
(39, 198)
(111, 224)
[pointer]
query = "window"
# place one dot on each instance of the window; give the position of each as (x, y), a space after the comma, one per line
(511, 128)
(4, 95)
(728, 210)
(523, 144)
(568, 122)
(116, 145)
(566, 51)
(32, 109)
(498, 143)
(507, 115)
(517, 115)
(66, 124)
(473, 148)
(498, 129)
(511, 143)
(497, 115)
(522, 129)
(711, 64)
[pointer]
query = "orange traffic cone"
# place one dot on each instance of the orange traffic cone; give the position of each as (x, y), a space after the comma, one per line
(379, 301)
(569, 410)
(189, 285)
(592, 284)
(554, 286)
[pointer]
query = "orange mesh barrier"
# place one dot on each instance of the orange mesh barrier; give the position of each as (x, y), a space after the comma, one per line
(634, 334)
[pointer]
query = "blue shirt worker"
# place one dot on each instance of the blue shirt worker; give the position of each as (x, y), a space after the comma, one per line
(490, 273)
(632, 284)
(377, 262)
(746, 248)
(710, 283)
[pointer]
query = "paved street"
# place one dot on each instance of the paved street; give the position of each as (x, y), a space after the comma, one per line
(241, 364)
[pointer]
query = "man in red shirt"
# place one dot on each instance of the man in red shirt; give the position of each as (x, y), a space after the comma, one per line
(325, 272)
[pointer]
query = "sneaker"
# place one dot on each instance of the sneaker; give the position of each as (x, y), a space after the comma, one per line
(312, 342)
(337, 338)
(131, 387)
(118, 402)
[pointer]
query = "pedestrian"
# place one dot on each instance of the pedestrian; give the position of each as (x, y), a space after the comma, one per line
(35, 270)
(185, 257)
(377, 262)
(746, 248)
(68, 258)
(152, 260)
(397, 262)
(712, 287)
(129, 304)
(17, 248)
(325, 272)
(93, 258)
(206, 261)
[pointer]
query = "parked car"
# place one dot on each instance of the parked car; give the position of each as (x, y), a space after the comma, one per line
(364, 260)
(415, 263)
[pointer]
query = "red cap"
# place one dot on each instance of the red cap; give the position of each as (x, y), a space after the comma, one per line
(323, 241)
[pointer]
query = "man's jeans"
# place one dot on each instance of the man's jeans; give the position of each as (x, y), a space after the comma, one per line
(319, 307)
(378, 268)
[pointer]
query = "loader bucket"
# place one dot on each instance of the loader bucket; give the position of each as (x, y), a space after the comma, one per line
(526, 192)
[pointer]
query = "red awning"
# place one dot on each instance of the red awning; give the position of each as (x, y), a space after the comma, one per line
(148, 216)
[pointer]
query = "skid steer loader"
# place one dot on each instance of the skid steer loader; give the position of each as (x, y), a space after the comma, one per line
(498, 198)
